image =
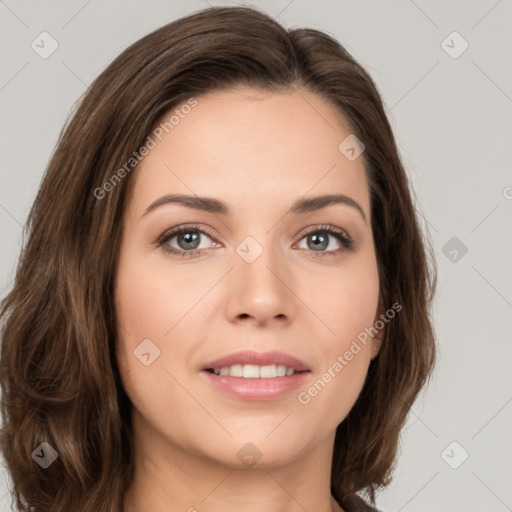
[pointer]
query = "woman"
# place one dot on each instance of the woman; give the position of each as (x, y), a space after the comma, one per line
(223, 301)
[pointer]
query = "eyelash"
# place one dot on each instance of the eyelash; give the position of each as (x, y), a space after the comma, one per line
(339, 234)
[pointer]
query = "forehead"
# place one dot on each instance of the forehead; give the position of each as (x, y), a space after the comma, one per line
(250, 147)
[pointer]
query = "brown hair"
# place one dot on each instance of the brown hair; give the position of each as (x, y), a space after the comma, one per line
(59, 378)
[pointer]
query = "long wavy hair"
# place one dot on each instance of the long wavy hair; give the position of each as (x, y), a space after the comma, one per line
(58, 374)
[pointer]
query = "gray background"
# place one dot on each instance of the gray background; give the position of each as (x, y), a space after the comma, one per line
(452, 120)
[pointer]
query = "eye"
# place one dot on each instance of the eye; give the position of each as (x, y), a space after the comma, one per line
(318, 239)
(188, 239)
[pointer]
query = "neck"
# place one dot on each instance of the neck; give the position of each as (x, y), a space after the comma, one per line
(172, 478)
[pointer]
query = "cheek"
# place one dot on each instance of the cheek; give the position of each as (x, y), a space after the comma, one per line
(346, 306)
(152, 304)
(346, 302)
(338, 380)
(139, 318)
(150, 300)
(332, 393)
(145, 314)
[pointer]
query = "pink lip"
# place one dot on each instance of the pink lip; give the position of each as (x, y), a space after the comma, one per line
(255, 389)
(260, 359)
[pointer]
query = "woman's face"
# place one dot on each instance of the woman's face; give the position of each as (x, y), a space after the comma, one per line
(254, 275)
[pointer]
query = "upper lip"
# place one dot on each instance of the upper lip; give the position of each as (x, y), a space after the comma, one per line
(257, 358)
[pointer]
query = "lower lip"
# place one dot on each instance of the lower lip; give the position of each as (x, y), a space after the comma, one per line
(256, 389)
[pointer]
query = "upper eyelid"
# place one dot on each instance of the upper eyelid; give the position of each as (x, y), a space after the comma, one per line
(172, 232)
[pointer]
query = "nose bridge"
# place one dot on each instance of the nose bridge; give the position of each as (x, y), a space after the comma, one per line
(258, 279)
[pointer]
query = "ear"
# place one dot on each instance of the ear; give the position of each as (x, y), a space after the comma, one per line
(377, 339)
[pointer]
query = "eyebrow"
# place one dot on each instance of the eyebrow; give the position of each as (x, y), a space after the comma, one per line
(211, 205)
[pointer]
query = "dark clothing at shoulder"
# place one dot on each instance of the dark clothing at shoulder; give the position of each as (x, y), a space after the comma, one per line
(357, 504)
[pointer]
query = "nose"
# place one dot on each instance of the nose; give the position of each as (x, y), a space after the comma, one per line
(261, 291)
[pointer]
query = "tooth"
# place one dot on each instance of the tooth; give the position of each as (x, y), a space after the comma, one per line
(236, 370)
(268, 372)
(281, 370)
(251, 371)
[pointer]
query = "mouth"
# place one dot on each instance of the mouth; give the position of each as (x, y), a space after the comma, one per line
(253, 371)
(249, 375)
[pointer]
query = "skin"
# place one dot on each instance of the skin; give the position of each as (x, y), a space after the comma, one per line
(258, 152)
